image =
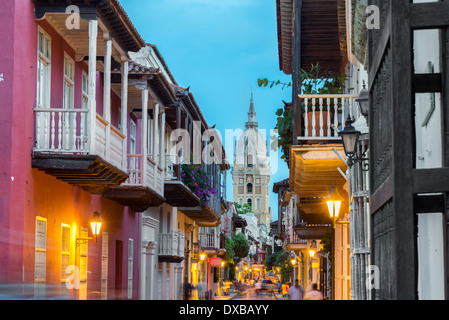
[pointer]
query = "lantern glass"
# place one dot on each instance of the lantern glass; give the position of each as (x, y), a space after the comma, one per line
(203, 256)
(95, 224)
(350, 140)
(363, 101)
(334, 208)
(311, 253)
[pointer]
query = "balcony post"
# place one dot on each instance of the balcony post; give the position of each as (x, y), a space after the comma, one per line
(144, 135)
(107, 89)
(156, 132)
(92, 119)
(124, 108)
(161, 141)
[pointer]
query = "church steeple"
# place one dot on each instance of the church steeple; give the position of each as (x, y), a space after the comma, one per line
(252, 123)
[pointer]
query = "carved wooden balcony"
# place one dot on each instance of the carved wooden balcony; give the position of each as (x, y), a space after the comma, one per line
(144, 187)
(62, 149)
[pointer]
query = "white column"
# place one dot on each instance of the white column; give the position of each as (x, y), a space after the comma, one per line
(92, 120)
(155, 131)
(144, 135)
(162, 143)
(124, 108)
(107, 90)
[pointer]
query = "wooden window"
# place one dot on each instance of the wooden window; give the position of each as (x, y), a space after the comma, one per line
(130, 267)
(65, 250)
(69, 82)
(40, 248)
(85, 90)
(104, 265)
(43, 70)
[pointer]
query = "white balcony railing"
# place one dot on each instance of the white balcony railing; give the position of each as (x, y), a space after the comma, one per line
(323, 113)
(64, 131)
(210, 240)
(153, 174)
(171, 244)
(61, 130)
(170, 167)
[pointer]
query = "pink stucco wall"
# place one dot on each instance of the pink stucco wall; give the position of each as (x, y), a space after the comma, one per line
(25, 192)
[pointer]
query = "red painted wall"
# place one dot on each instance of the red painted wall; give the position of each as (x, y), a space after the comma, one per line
(26, 192)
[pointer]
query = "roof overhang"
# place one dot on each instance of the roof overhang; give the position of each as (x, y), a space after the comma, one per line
(322, 34)
(111, 14)
(314, 169)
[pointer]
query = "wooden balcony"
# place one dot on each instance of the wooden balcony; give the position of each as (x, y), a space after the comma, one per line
(62, 149)
(297, 243)
(144, 187)
(309, 231)
(171, 247)
(176, 193)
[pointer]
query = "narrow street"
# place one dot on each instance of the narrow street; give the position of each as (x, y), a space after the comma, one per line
(250, 294)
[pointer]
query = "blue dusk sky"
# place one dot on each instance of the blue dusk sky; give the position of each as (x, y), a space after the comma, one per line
(219, 48)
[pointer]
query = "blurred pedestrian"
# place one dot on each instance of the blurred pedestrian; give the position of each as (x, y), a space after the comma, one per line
(314, 294)
(258, 287)
(285, 288)
(296, 292)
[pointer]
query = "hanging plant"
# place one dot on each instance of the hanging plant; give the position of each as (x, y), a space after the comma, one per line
(196, 178)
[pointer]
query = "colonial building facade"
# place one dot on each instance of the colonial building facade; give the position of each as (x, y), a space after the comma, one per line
(90, 140)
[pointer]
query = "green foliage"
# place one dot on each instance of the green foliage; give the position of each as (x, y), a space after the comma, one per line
(319, 81)
(237, 248)
(243, 209)
(241, 247)
(228, 256)
(285, 130)
(280, 259)
(265, 82)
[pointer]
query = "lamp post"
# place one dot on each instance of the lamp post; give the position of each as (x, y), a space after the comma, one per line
(334, 205)
(350, 138)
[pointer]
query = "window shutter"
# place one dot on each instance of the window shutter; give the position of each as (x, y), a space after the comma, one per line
(130, 267)
(104, 265)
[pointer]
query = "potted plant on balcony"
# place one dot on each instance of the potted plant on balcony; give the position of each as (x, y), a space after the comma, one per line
(195, 177)
(321, 82)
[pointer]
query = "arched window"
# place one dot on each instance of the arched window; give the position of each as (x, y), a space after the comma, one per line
(250, 202)
(249, 188)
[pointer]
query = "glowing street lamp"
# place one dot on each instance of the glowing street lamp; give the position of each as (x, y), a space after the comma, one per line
(334, 203)
(95, 224)
(202, 256)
